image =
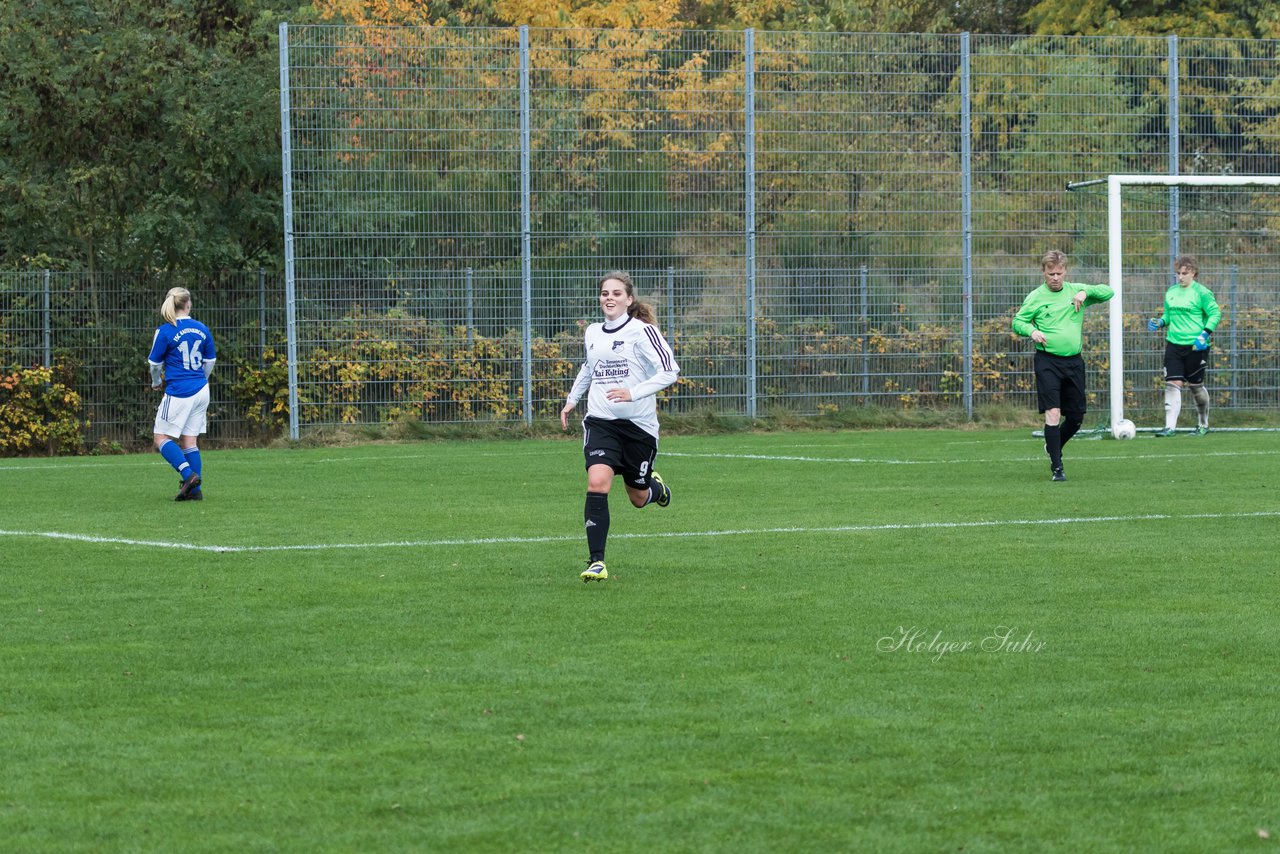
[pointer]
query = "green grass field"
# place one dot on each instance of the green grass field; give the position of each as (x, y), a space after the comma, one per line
(874, 641)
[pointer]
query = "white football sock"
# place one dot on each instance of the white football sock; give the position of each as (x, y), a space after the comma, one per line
(1172, 405)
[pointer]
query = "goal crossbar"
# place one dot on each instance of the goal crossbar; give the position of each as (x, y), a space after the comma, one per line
(1115, 247)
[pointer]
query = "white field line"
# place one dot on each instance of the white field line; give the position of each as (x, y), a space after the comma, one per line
(781, 458)
(75, 465)
(739, 532)
(157, 461)
(962, 460)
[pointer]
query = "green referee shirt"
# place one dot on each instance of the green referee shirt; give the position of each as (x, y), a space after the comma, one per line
(1189, 311)
(1054, 313)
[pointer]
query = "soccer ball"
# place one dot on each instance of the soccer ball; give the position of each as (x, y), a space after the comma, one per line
(1124, 429)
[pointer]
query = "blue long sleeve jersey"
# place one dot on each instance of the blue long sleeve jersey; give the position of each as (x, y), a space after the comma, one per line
(183, 349)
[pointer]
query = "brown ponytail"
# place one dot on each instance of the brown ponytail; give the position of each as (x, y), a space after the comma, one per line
(642, 311)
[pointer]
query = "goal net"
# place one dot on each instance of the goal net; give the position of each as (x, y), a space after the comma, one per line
(1230, 224)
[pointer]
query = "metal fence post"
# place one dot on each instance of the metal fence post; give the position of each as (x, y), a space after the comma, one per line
(671, 300)
(48, 321)
(1233, 347)
(866, 333)
(469, 306)
(286, 164)
(1175, 239)
(526, 251)
(966, 222)
(262, 317)
(749, 169)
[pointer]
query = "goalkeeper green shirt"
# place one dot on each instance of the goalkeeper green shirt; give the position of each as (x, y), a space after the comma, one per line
(1189, 311)
(1054, 313)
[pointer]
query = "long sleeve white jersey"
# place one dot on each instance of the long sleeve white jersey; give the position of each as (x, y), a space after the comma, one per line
(633, 355)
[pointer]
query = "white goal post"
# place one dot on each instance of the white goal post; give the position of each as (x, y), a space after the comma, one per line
(1115, 247)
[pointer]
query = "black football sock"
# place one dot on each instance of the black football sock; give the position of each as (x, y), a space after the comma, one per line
(1069, 429)
(596, 518)
(1053, 444)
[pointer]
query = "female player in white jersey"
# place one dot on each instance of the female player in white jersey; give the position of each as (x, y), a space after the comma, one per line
(628, 362)
(181, 360)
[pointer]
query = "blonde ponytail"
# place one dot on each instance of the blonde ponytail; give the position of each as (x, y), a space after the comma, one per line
(177, 298)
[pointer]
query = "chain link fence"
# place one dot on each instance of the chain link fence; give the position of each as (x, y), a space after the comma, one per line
(98, 328)
(822, 220)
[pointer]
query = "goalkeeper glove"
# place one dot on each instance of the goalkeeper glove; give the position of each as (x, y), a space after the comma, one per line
(1154, 324)
(1201, 342)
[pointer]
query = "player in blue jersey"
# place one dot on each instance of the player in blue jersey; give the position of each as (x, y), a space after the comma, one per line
(181, 360)
(627, 363)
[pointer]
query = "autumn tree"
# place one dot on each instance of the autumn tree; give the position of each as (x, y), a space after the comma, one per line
(139, 136)
(1187, 19)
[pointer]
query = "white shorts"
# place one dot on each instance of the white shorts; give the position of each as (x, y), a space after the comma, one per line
(183, 416)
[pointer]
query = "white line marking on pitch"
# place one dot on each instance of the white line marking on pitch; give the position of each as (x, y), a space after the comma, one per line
(783, 458)
(737, 532)
(375, 458)
(526, 451)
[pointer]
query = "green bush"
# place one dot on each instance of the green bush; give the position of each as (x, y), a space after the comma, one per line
(262, 394)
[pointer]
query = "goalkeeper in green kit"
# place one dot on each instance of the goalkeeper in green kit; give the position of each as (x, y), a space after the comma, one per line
(1053, 317)
(1190, 314)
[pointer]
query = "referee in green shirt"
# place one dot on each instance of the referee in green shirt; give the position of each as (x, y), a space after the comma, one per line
(1052, 316)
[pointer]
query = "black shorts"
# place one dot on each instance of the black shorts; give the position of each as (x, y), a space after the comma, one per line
(1181, 362)
(622, 446)
(1060, 383)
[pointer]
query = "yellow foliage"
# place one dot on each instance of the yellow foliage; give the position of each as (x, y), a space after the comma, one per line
(376, 12)
(38, 412)
(612, 14)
